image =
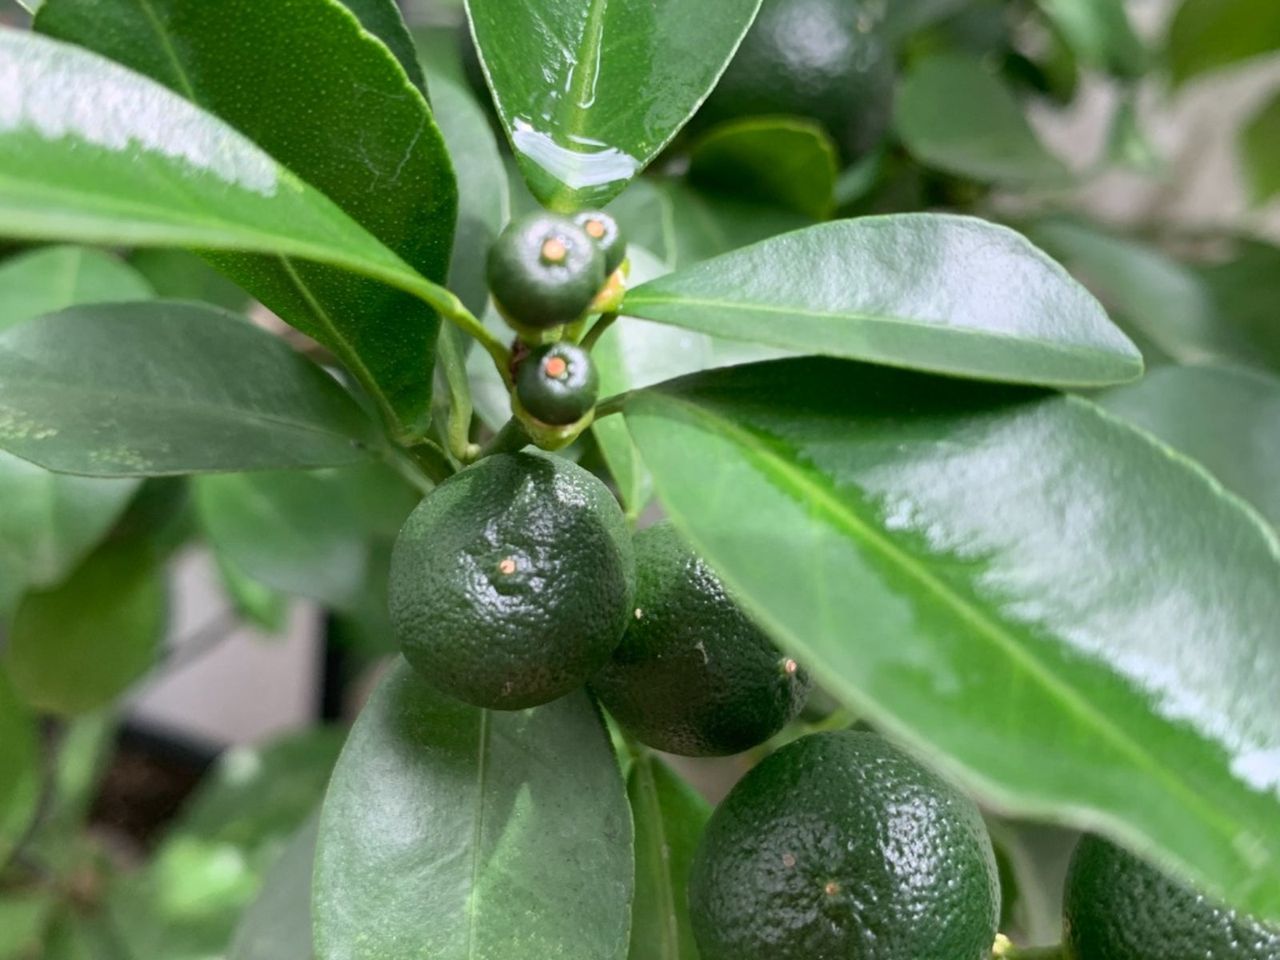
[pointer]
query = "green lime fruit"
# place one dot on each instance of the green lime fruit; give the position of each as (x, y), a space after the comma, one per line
(1119, 907)
(544, 271)
(693, 675)
(841, 847)
(822, 59)
(513, 581)
(607, 234)
(558, 384)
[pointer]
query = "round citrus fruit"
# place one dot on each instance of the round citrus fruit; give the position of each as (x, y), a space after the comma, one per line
(693, 675)
(604, 230)
(558, 384)
(1119, 907)
(822, 59)
(544, 271)
(841, 847)
(512, 582)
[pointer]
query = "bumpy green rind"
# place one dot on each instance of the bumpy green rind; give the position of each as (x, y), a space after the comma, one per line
(507, 641)
(841, 847)
(694, 675)
(822, 59)
(614, 242)
(558, 401)
(533, 293)
(1119, 907)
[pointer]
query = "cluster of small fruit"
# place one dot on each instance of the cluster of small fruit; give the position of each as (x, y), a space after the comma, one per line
(548, 275)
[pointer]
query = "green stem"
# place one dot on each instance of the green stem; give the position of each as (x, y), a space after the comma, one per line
(611, 405)
(595, 333)
(465, 320)
(453, 363)
(511, 438)
(431, 460)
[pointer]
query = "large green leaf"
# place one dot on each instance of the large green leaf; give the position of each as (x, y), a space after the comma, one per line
(19, 767)
(1066, 617)
(787, 161)
(1245, 288)
(927, 291)
(383, 19)
(1260, 147)
(180, 275)
(307, 534)
(338, 111)
(1209, 34)
(1228, 419)
(146, 389)
(75, 648)
(954, 114)
(669, 817)
(47, 280)
(451, 832)
(50, 522)
(154, 170)
(589, 93)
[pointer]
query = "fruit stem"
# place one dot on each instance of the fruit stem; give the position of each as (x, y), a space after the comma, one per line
(611, 405)
(511, 438)
(1004, 950)
(465, 320)
(593, 336)
(431, 460)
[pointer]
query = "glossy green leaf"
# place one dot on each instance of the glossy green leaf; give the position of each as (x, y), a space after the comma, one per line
(1227, 419)
(786, 161)
(1260, 150)
(50, 522)
(451, 832)
(339, 112)
(1100, 34)
(75, 648)
(146, 389)
(278, 924)
(669, 817)
(934, 292)
(950, 559)
(954, 114)
(162, 172)
(383, 19)
(306, 534)
(589, 93)
(1160, 297)
(53, 278)
(19, 767)
(1210, 34)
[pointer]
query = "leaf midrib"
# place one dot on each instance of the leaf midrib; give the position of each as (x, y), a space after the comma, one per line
(994, 631)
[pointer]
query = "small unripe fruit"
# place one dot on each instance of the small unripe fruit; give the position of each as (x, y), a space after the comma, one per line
(606, 233)
(544, 271)
(558, 384)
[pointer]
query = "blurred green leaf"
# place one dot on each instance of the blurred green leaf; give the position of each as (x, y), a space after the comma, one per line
(83, 752)
(1260, 149)
(165, 388)
(1100, 33)
(179, 275)
(22, 921)
(304, 533)
(1227, 419)
(277, 926)
(522, 810)
(75, 648)
(1210, 34)
(52, 278)
(956, 115)
(788, 162)
(261, 605)
(1245, 288)
(50, 522)
(19, 767)
(669, 817)
(905, 17)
